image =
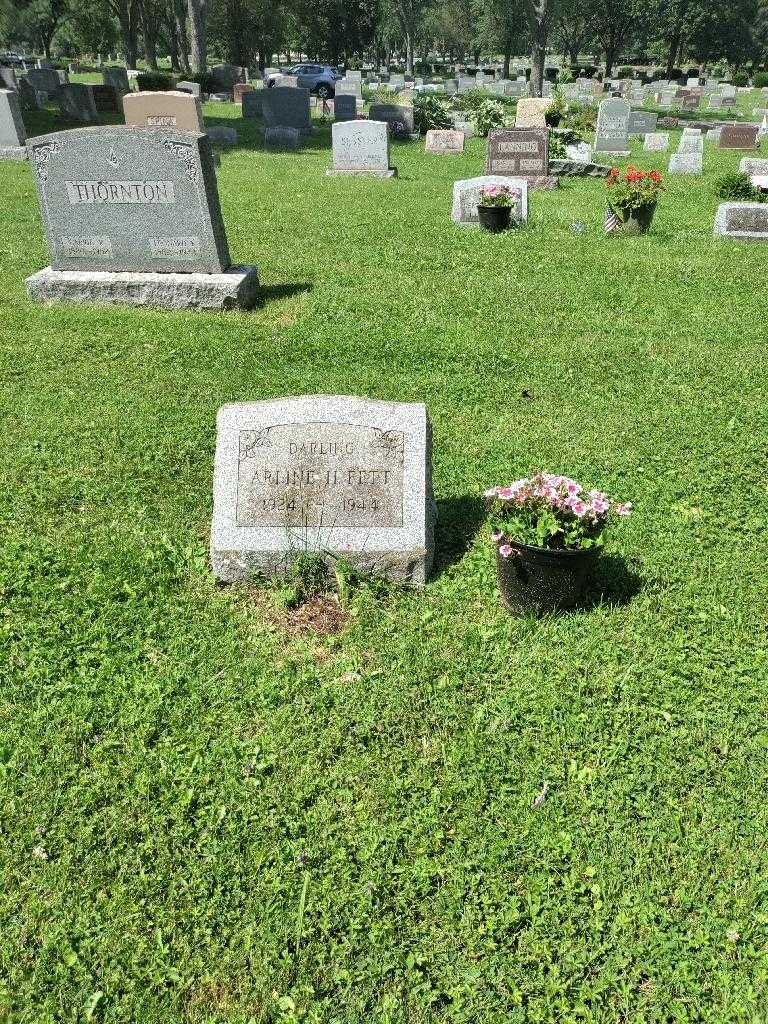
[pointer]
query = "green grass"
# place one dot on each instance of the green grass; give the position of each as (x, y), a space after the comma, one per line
(206, 820)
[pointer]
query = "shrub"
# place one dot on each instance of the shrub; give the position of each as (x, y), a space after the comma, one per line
(490, 115)
(625, 73)
(760, 81)
(741, 78)
(736, 185)
(204, 79)
(151, 81)
(429, 112)
(579, 119)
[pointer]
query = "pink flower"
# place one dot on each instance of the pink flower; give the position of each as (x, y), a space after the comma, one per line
(624, 510)
(505, 493)
(497, 535)
(579, 508)
(490, 493)
(600, 502)
(506, 550)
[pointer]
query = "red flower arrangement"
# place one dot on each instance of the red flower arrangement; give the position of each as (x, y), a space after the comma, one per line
(634, 189)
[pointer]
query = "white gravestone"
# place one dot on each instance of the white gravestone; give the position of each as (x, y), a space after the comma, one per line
(466, 196)
(656, 142)
(361, 148)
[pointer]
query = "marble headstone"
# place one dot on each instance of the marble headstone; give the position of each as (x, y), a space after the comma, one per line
(12, 133)
(330, 473)
(466, 196)
(656, 142)
(641, 122)
(193, 88)
(399, 118)
(444, 141)
(686, 163)
(611, 133)
(361, 148)
(282, 137)
(745, 221)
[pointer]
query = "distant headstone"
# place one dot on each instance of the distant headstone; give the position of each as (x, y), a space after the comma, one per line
(444, 141)
(282, 137)
(466, 196)
(400, 119)
(753, 165)
(351, 87)
(397, 81)
(641, 122)
(656, 142)
(193, 88)
(328, 473)
(76, 102)
(118, 78)
(239, 89)
(287, 107)
(344, 108)
(686, 163)
(715, 102)
(106, 99)
(132, 215)
(163, 110)
(29, 97)
(520, 153)
(738, 136)
(222, 135)
(44, 80)
(611, 132)
(252, 103)
(12, 133)
(225, 76)
(713, 136)
(361, 148)
(531, 112)
(691, 144)
(8, 78)
(745, 221)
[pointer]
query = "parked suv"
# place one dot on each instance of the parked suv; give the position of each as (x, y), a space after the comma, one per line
(318, 78)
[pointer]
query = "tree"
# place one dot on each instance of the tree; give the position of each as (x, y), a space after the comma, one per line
(613, 22)
(128, 14)
(538, 14)
(198, 50)
(408, 15)
(572, 29)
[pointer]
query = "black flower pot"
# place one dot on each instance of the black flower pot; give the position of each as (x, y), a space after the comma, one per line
(494, 218)
(536, 580)
(636, 222)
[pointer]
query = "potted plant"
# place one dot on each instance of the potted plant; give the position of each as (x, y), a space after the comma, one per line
(632, 197)
(548, 533)
(494, 208)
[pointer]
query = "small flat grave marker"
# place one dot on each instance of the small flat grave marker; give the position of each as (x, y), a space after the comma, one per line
(326, 473)
(656, 142)
(745, 221)
(444, 141)
(466, 196)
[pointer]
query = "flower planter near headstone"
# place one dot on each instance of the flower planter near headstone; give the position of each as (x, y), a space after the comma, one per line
(341, 475)
(287, 107)
(361, 148)
(656, 142)
(521, 153)
(467, 193)
(531, 113)
(611, 133)
(686, 163)
(444, 141)
(77, 103)
(738, 136)
(132, 215)
(12, 133)
(746, 222)
(399, 118)
(164, 110)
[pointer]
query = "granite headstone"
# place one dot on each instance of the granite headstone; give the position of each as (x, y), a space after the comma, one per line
(172, 109)
(287, 107)
(361, 148)
(12, 133)
(611, 132)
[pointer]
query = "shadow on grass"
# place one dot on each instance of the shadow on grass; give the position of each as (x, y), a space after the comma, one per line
(458, 520)
(613, 583)
(274, 292)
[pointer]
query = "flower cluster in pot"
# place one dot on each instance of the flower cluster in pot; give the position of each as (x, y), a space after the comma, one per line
(550, 511)
(495, 195)
(633, 189)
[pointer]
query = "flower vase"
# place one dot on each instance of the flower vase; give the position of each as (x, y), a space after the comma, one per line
(536, 580)
(494, 218)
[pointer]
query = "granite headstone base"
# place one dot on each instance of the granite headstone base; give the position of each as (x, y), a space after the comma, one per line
(235, 288)
(342, 172)
(747, 222)
(543, 183)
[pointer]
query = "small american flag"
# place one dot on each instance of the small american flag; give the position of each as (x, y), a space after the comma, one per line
(611, 222)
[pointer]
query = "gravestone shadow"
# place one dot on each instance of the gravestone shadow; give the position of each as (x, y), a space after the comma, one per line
(458, 520)
(274, 292)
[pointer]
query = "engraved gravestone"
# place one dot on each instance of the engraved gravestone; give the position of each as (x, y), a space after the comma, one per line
(238, 91)
(12, 133)
(344, 108)
(686, 163)
(738, 136)
(656, 142)
(745, 221)
(193, 88)
(399, 118)
(163, 110)
(641, 122)
(361, 148)
(287, 107)
(106, 99)
(225, 75)
(44, 80)
(342, 475)
(29, 97)
(518, 152)
(76, 102)
(611, 133)
(466, 196)
(132, 215)
(444, 141)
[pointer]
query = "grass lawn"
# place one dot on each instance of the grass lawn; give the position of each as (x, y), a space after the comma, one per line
(206, 818)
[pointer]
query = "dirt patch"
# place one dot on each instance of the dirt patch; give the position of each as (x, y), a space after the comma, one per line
(321, 615)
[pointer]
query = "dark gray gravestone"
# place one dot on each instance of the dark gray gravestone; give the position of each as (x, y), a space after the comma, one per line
(344, 107)
(225, 75)
(399, 118)
(132, 215)
(738, 136)
(77, 102)
(641, 122)
(252, 103)
(29, 97)
(106, 99)
(12, 133)
(518, 152)
(285, 106)
(44, 80)
(328, 473)
(745, 221)
(8, 78)
(117, 78)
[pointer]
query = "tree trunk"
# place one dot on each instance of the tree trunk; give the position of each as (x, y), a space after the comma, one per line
(674, 44)
(197, 47)
(149, 32)
(507, 59)
(180, 33)
(538, 57)
(610, 58)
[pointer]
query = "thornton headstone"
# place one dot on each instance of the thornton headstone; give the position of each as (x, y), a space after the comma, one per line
(163, 110)
(611, 134)
(132, 215)
(329, 473)
(12, 133)
(466, 196)
(361, 148)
